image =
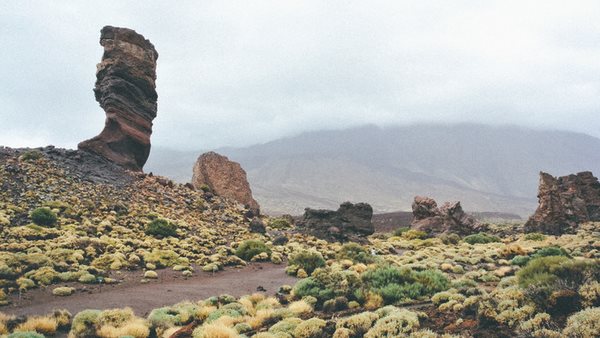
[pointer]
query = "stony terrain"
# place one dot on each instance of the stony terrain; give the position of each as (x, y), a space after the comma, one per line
(408, 283)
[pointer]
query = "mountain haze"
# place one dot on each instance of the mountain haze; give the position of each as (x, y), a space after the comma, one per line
(487, 168)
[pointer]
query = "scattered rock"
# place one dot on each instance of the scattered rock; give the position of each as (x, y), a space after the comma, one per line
(564, 202)
(224, 178)
(449, 218)
(280, 240)
(125, 89)
(350, 221)
(257, 226)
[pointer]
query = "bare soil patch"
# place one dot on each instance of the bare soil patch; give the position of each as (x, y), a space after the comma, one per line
(170, 288)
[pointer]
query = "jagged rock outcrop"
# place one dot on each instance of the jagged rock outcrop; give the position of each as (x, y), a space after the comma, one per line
(349, 222)
(564, 202)
(449, 218)
(225, 178)
(125, 89)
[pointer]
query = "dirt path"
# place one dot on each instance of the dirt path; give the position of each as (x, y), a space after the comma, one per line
(169, 289)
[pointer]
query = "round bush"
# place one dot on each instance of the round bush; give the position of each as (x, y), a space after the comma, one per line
(251, 248)
(535, 236)
(356, 253)
(31, 155)
(450, 238)
(399, 231)
(308, 260)
(279, 223)
(44, 217)
(398, 284)
(161, 227)
(481, 238)
(63, 291)
(550, 251)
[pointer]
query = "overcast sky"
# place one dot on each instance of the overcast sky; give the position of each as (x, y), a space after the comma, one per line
(244, 72)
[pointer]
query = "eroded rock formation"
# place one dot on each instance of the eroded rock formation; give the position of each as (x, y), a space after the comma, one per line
(348, 222)
(564, 202)
(224, 178)
(125, 89)
(449, 218)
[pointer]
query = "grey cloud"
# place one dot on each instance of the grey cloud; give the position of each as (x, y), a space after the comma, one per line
(237, 73)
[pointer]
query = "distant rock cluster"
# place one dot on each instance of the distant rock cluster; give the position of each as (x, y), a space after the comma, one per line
(349, 222)
(449, 218)
(125, 89)
(225, 178)
(564, 202)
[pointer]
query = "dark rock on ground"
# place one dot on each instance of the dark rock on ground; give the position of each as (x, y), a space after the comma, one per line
(125, 89)
(350, 221)
(225, 178)
(449, 218)
(564, 202)
(280, 240)
(79, 165)
(257, 226)
(390, 221)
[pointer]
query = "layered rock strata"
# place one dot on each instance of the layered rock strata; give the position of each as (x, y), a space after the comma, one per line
(125, 89)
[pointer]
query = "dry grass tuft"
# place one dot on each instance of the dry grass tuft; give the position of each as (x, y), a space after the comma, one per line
(215, 331)
(45, 325)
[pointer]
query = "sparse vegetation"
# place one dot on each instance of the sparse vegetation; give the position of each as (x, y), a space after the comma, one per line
(31, 155)
(514, 283)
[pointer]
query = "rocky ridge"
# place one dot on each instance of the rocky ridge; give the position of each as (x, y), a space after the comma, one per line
(125, 89)
(102, 216)
(565, 202)
(449, 218)
(349, 222)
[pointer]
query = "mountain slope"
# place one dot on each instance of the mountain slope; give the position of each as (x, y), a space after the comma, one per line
(487, 168)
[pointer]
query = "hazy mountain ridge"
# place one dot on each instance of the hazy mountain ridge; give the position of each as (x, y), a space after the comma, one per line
(487, 168)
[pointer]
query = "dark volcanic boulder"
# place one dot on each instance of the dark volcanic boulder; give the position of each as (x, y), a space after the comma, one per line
(564, 202)
(125, 89)
(449, 218)
(348, 222)
(225, 178)
(257, 226)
